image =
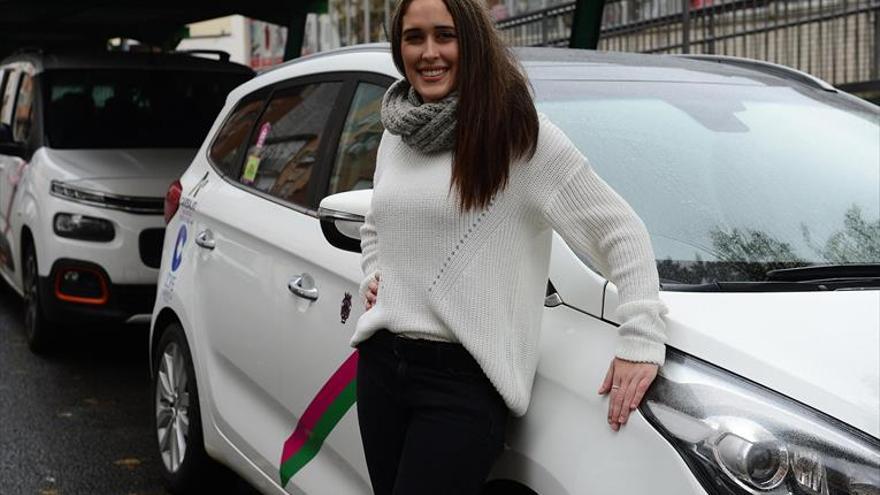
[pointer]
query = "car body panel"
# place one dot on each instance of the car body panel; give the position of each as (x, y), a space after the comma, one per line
(781, 341)
(130, 172)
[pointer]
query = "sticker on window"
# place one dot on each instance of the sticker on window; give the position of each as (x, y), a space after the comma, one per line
(252, 165)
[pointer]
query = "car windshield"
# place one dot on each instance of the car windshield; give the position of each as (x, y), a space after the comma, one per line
(732, 181)
(133, 108)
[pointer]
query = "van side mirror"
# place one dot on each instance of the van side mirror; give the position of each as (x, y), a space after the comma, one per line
(8, 146)
(341, 218)
(5, 133)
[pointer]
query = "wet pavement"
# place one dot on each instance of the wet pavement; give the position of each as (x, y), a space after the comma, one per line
(78, 420)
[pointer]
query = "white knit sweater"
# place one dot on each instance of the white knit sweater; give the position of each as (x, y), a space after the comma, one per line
(480, 278)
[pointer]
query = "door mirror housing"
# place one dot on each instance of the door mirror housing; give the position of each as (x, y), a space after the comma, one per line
(342, 216)
(5, 134)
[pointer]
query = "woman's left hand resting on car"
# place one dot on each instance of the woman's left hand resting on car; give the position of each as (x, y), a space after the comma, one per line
(627, 381)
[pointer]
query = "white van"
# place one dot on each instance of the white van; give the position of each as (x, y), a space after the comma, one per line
(88, 145)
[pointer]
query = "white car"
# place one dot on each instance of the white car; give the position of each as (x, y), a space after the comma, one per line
(757, 183)
(88, 146)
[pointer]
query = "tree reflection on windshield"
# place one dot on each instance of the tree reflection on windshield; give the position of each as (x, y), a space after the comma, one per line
(747, 255)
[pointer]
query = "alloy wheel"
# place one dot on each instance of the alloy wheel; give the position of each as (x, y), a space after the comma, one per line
(172, 407)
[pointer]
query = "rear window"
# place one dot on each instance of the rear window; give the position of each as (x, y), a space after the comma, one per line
(133, 108)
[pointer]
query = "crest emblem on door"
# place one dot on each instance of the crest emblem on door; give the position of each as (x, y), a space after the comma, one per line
(345, 310)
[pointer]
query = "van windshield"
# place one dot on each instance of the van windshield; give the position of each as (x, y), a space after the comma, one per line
(732, 181)
(133, 108)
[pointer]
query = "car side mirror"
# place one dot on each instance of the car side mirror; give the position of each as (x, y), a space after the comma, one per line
(341, 218)
(5, 134)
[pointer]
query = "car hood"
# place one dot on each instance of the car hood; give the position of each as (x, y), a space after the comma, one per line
(820, 348)
(129, 172)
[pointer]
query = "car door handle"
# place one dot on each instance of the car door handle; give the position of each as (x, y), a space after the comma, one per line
(205, 239)
(296, 286)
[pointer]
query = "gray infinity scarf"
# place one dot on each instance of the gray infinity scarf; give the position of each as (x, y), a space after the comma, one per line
(427, 127)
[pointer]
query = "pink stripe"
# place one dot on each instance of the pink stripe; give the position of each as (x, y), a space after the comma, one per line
(337, 383)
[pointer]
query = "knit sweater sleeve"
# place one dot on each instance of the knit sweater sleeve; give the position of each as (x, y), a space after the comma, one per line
(369, 235)
(595, 221)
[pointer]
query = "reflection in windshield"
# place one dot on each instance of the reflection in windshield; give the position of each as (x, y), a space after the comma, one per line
(750, 254)
(731, 180)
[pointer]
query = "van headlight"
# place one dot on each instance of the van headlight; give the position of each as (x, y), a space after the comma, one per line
(84, 228)
(739, 438)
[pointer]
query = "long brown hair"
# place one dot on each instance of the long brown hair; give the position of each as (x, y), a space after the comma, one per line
(496, 121)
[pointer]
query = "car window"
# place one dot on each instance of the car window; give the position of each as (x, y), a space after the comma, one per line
(356, 154)
(731, 181)
(24, 109)
(228, 147)
(283, 148)
(9, 97)
(134, 108)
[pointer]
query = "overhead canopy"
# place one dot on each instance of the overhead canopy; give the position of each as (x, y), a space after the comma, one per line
(90, 23)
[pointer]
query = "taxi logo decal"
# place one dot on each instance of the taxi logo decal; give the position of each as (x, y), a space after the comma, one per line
(320, 417)
(177, 256)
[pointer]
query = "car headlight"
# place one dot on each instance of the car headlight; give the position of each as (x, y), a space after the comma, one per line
(739, 438)
(82, 227)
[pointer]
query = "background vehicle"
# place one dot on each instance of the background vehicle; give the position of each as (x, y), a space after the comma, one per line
(88, 145)
(740, 170)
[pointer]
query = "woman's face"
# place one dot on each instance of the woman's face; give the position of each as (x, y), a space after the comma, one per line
(429, 48)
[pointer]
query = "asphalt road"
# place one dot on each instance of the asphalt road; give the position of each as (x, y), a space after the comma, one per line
(77, 421)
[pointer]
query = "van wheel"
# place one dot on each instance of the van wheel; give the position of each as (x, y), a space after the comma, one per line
(37, 327)
(177, 417)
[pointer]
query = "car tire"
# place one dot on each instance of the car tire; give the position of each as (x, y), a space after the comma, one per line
(37, 327)
(177, 416)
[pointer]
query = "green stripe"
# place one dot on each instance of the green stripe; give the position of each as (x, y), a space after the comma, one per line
(325, 425)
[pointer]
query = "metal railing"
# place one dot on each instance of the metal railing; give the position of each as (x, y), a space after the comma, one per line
(836, 40)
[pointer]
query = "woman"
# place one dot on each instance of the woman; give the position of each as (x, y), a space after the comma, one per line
(470, 182)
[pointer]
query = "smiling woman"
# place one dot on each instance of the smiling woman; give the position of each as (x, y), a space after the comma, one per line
(469, 183)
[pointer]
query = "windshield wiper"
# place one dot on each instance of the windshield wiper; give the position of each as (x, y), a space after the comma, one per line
(826, 284)
(826, 273)
(751, 286)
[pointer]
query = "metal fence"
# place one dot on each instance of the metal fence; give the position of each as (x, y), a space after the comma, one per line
(836, 40)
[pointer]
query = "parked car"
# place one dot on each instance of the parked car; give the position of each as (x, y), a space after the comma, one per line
(88, 146)
(757, 183)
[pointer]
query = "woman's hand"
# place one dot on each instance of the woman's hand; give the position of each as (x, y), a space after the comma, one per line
(372, 293)
(627, 381)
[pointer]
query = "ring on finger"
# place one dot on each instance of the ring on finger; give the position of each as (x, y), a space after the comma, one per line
(615, 387)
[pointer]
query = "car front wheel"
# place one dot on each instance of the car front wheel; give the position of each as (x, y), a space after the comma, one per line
(37, 328)
(177, 418)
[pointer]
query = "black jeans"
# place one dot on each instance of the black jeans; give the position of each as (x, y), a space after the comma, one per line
(430, 420)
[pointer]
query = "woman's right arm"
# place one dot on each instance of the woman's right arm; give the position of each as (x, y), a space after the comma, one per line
(369, 259)
(369, 286)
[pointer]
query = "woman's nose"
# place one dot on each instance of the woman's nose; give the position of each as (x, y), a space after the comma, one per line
(431, 51)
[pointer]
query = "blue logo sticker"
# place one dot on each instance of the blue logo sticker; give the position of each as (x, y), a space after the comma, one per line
(177, 257)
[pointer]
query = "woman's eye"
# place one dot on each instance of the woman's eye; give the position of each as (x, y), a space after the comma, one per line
(446, 35)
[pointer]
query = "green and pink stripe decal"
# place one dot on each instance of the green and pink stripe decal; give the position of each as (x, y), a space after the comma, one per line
(320, 417)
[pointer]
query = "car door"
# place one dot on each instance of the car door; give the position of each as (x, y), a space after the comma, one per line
(322, 452)
(252, 220)
(17, 112)
(240, 226)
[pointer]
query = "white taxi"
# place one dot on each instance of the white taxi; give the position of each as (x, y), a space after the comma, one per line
(757, 183)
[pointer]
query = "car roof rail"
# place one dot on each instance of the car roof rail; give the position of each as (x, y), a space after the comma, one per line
(221, 55)
(778, 70)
